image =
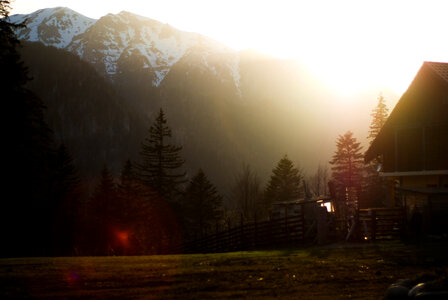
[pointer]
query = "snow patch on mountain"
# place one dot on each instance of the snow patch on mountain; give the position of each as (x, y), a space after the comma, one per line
(205, 61)
(52, 26)
(234, 66)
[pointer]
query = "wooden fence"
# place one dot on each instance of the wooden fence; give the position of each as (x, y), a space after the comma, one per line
(289, 231)
(286, 231)
(382, 223)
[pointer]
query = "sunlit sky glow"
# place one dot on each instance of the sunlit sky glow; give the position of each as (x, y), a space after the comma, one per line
(351, 45)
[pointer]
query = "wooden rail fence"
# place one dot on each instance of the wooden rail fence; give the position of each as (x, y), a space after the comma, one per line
(287, 231)
(382, 223)
(293, 230)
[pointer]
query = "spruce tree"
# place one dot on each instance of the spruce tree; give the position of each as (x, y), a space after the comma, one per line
(348, 167)
(26, 216)
(14, 74)
(376, 186)
(159, 168)
(285, 182)
(379, 117)
(202, 205)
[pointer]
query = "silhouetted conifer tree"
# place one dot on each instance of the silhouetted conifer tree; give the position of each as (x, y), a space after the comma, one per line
(27, 213)
(202, 205)
(376, 186)
(14, 73)
(379, 117)
(159, 168)
(285, 182)
(348, 167)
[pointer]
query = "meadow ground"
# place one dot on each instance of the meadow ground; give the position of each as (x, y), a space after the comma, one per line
(343, 271)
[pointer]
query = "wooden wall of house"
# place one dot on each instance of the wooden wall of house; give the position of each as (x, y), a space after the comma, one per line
(417, 137)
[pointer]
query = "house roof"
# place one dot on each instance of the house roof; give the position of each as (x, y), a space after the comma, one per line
(440, 70)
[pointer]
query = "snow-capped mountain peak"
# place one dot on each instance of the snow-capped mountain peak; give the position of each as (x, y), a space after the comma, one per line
(119, 41)
(52, 26)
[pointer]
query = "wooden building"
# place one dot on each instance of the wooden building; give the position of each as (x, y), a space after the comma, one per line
(413, 144)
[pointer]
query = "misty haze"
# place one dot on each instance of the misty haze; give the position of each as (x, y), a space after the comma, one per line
(150, 161)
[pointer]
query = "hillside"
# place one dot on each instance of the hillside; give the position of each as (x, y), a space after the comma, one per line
(83, 110)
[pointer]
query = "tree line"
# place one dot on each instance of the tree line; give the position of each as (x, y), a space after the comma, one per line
(153, 206)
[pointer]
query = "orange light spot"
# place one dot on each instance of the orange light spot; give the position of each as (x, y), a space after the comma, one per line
(122, 237)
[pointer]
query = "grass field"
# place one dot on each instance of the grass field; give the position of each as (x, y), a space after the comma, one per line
(333, 272)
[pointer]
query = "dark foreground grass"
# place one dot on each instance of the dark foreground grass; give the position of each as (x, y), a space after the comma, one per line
(332, 272)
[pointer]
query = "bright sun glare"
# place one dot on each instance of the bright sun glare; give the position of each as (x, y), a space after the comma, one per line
(351, 45)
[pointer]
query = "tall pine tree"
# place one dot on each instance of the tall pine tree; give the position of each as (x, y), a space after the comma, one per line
(376, 186)
(285, 182)
(348, 167)
(159, 168)
(379, 117)
(27, 214)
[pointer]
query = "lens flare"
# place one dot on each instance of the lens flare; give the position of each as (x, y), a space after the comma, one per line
(122, 237)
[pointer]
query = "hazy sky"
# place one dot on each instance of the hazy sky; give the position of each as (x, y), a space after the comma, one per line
(351, 45)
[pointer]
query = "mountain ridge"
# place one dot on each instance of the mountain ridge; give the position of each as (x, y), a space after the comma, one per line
(113, 37)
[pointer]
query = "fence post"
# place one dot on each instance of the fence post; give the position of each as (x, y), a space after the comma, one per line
(302, 219)
(229, 237)
(242, 239)
(373, 220)
(217, 242)
(255, 238)
(288, 238)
